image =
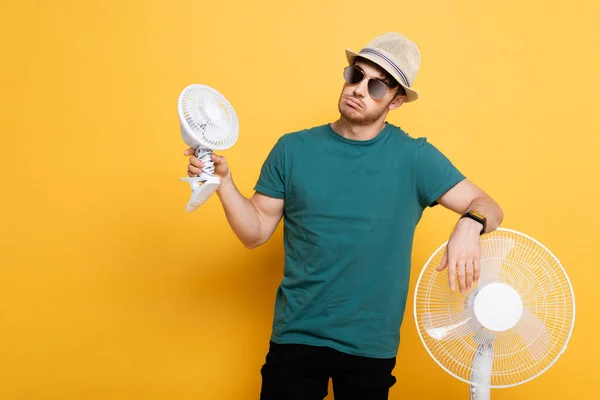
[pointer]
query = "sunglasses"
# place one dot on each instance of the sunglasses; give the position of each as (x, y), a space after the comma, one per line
(377, 88)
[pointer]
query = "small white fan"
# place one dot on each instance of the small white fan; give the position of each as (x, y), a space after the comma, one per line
(208, 122)
(507, 329)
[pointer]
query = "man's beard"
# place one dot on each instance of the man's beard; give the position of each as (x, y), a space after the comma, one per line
(350, 114)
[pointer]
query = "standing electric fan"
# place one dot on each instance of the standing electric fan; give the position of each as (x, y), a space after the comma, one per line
(208, 122)
(508, 328)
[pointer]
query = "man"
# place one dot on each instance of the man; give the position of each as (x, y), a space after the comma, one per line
(351, 194)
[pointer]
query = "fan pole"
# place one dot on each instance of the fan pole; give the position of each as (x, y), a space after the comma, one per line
(204, 154)
(482, 372)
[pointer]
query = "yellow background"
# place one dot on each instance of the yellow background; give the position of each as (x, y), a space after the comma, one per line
(110, 290)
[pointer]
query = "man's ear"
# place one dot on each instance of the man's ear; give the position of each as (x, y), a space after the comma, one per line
(397, 102)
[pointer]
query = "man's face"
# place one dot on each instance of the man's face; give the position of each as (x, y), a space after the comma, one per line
(356, 104)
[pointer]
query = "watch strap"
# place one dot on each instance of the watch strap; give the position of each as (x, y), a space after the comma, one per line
(476, 217)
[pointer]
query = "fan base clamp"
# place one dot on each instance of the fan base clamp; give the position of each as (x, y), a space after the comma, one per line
(202, 188)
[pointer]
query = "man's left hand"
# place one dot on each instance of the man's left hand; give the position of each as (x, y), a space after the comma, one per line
(461, 255)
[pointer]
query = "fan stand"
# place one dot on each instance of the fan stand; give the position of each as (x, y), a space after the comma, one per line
(482, 372)
(206, 184)
(498, 308)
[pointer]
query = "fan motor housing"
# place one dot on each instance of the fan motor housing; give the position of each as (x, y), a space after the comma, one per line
(498, 307)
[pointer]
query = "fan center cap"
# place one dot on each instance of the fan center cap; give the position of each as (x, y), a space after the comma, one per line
(498, 307)
(213, 112)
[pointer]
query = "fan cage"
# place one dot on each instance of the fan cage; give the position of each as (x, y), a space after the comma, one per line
(545, 290)
(204, 130)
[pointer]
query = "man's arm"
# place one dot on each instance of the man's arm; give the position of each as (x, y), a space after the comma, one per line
(463, 251)
(465, 196)
(252, 220)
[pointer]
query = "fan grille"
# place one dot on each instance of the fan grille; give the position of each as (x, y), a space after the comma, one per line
(207, 118)
(452, 335)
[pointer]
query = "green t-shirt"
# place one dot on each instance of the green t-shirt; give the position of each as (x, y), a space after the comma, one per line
(351, 208)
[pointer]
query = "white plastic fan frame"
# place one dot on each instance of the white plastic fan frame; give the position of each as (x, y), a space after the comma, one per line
(482, 362)
(208, 123)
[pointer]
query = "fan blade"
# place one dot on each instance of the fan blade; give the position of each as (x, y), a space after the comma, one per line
(493, 253)
(534, 334)
(449, 326)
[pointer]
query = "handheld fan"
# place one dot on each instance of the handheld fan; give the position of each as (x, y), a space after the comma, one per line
(208, 122)
(508, 328)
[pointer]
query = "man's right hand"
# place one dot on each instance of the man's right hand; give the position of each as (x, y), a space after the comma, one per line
(195, 166)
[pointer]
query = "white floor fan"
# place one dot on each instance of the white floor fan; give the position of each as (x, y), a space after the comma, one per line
(208, 122)
(510, 327)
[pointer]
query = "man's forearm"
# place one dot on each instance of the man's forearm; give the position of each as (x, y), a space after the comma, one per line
(241, 214)
(486, 206)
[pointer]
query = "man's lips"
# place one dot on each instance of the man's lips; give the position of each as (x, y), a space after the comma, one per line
(353, 102)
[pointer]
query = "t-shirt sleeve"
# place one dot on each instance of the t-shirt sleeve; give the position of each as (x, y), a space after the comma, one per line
(271, 181)
(434, 173)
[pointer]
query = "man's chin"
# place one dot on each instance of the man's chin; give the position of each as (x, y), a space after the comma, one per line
(356, 119)
(351, 115)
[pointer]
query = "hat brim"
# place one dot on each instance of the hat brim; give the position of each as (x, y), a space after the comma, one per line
(411, 94)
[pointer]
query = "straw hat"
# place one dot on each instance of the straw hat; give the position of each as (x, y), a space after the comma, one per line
(397, 55)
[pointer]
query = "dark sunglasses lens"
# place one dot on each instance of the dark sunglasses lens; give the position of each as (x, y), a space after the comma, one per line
(377, 89)
(353, 75)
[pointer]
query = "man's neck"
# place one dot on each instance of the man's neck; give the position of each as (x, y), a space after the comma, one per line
(357, 132)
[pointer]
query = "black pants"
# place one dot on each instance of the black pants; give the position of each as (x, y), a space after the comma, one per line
(300, 372)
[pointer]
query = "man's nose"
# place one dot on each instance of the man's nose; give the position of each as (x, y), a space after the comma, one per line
(361, 88)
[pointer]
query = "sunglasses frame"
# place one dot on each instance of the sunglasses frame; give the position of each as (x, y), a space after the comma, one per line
(365, 76)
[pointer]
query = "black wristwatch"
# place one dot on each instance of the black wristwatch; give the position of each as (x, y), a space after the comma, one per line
(477, 217)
